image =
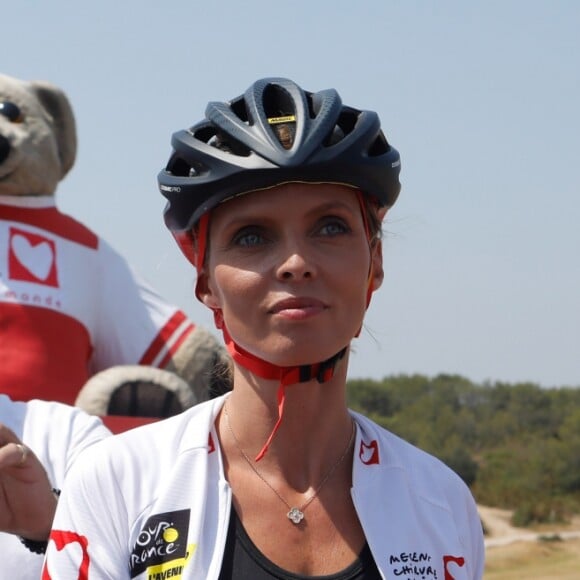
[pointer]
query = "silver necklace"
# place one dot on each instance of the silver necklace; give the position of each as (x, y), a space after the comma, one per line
(295, 514)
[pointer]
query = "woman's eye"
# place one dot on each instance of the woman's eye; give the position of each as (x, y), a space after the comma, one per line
(11, 111)
(248, 237)
(334, 227)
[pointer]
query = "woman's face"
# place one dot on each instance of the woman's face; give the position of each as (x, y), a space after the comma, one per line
(289, 269)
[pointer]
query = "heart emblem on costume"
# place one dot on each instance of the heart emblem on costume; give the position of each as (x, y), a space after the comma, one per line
(36, 258)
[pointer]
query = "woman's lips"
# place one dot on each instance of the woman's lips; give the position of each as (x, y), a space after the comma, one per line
(298, 308)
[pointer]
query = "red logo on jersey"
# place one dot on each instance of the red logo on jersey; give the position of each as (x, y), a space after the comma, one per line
(32, 258)
(369, 454)
(63, 539)
(210, 444)
(459, 560)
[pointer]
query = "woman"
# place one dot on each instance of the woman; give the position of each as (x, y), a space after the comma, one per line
(277, 199)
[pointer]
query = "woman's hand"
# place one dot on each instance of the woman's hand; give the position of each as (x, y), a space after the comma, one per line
(27, 501)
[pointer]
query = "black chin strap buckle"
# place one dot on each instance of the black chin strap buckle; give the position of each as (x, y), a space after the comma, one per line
(323, 371)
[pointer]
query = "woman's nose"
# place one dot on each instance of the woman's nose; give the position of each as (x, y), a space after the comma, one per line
(295, 265)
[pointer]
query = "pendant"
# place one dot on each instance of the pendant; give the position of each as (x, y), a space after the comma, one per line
(295, 515)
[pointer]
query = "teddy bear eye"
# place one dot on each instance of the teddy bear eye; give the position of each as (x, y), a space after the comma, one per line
(11, 111)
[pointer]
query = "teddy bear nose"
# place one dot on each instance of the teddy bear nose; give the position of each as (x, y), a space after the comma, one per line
(4, 148)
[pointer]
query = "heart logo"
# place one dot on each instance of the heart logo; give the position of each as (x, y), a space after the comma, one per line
(36, 259)
(459, 560)
(32, 258)
(369, 454)
(68, 553)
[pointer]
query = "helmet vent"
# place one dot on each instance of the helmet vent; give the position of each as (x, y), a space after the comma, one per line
(379, 146)
(344, 125)
(180, 167)
(281, 114)
(238, 106)
(311, 107)
(230, 145)
(277, 102)
(204, 133)
(347, 120)
(335, 137)
(210, 135)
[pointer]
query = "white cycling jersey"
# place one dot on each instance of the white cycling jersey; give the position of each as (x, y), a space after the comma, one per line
(153, 503)
(57, 434)
(70, 306)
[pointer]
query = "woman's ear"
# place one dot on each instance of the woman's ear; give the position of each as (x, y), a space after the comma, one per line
(377, 264)
(204, 292)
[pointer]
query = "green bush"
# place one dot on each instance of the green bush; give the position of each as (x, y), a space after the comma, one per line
(517, 446)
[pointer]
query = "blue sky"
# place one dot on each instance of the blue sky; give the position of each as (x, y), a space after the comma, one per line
(481, 99)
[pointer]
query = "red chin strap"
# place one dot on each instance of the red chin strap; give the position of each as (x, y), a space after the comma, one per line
(286, 376)
(363, 212)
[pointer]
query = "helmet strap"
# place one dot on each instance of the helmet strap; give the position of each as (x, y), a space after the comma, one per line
(198, 244)
(286, 376)
(370, 290)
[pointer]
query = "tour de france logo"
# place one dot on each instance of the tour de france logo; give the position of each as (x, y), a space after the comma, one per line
(162, 544)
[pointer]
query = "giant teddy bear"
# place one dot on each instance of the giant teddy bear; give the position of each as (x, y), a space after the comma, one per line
(70, 306)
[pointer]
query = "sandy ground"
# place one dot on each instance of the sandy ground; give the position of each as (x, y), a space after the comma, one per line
(543, 553)
(502, 533)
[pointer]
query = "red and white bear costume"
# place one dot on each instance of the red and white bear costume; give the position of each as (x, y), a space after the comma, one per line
(70, 305)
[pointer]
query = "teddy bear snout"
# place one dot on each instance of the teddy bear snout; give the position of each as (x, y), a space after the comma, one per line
(4, 148)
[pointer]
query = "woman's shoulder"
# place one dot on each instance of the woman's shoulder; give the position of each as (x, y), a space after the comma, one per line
(151, 469)
(382, 447)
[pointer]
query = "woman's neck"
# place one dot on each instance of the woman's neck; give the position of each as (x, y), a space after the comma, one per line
(315, 425)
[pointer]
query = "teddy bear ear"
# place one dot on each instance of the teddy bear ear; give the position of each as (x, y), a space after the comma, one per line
(58, 106)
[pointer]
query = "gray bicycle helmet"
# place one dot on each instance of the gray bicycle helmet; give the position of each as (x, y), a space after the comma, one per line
(240, 147)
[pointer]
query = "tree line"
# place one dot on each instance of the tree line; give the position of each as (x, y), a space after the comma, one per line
(516, 445)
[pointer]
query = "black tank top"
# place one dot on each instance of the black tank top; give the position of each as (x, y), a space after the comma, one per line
(243, 561)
